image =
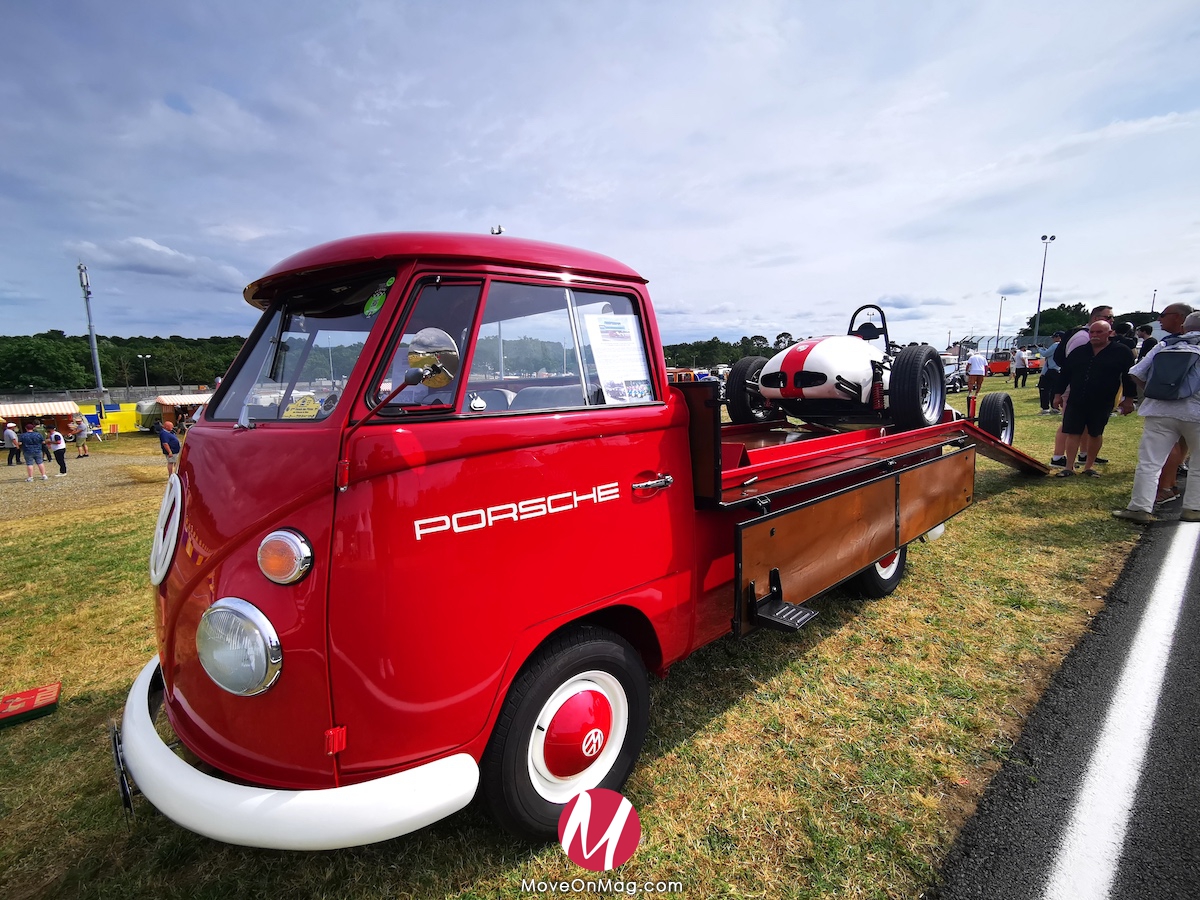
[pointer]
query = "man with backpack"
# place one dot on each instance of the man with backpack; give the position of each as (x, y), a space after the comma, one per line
(1170, 378)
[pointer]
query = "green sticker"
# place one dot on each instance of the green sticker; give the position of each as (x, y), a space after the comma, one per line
(374, 303)
(391, 281)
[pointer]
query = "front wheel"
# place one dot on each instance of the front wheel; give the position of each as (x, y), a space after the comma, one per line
(745, 401)
(917, 388)
(882, 578)
(574, 719)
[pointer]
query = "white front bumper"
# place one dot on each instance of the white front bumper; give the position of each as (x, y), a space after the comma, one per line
(323, 819)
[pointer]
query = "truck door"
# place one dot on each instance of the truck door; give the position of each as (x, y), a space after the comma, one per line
(539, 474)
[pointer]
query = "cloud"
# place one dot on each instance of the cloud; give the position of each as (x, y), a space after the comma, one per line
(148, 257)
(1011, 289)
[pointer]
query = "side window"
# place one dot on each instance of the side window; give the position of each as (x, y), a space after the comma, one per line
(435, 336)
(541, 347)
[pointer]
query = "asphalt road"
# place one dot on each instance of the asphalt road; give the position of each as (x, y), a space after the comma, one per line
(1101, 797)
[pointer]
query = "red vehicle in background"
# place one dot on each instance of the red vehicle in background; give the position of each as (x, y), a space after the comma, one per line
(1001, 362)
(444, 516)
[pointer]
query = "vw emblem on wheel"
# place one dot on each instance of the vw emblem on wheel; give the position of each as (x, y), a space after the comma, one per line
(593, 742)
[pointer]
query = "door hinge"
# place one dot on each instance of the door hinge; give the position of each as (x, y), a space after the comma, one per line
(335, 739)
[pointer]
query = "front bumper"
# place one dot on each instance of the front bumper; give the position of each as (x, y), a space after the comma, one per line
(323, 819)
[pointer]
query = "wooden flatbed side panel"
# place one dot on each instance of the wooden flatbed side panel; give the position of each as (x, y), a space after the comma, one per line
(932, 493)
(817, 545)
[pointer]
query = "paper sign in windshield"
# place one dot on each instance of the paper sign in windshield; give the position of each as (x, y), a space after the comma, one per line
(620, 360)
(305, 407)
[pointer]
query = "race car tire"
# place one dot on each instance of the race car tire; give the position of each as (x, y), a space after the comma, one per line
(882, 578)
(996, 416)
(537, 759)
(746, 405)
(917, 389)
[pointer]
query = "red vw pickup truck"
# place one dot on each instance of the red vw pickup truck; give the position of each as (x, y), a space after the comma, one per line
(445, 516)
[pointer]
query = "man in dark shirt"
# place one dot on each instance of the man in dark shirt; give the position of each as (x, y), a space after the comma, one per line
(1094, 372)
(1146, 333)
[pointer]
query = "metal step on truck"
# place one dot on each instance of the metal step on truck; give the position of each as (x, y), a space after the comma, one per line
(446, 514)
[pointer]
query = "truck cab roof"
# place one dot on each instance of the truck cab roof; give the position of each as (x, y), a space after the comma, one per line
(481, 249)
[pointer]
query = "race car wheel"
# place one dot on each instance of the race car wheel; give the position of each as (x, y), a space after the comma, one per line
(882, 578)
(996, 416)
(917, 389)
(746, 405)
(575, 719)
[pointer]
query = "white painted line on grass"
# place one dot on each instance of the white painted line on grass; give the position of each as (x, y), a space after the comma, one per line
(1091, 847)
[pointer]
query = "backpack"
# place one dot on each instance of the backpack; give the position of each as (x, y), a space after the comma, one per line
(1175, 369)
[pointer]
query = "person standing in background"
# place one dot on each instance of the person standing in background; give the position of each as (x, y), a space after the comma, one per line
(58, 446)
(976, 368)
(31, 449)
(82, 430)
(1020, 364)
(1146, 333)
(1048, 380)
(11, 444)
(170, 445)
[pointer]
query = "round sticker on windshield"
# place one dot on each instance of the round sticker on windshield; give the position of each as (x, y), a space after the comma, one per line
(374, 303)
(390, 282)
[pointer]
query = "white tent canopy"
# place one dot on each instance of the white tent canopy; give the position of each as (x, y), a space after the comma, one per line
(10, 411)
(182, 399)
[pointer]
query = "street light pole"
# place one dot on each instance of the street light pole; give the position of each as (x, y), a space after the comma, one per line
(85, 286)
(145, 369)
(1037, 322)
(998, 317)
(1152, 296)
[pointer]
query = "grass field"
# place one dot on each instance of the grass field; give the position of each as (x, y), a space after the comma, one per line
(838, 762)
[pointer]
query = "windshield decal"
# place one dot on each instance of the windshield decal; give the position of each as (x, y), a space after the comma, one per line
(305, 407)
(374, 303)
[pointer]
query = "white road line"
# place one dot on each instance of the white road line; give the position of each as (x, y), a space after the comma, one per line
(1091, 847)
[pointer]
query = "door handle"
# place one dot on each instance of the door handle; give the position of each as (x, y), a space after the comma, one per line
(662, 481)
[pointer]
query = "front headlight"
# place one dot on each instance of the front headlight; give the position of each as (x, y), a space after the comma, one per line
(238, 647)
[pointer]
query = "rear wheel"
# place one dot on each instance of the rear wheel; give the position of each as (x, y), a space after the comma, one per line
(746, 403)
(574, 719)
(917, 388)
(882, 578)
(996, 416)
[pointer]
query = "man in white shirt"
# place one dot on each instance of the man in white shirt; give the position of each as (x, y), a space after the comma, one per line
(1166, 421)
(976, 369)
(1020, 368)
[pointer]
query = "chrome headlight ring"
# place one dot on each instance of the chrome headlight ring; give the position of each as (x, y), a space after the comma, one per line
(238, 647)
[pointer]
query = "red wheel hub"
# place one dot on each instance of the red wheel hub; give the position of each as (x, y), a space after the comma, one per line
(577, 733)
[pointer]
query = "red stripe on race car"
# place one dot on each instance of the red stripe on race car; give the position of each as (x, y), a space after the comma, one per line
(794, 362)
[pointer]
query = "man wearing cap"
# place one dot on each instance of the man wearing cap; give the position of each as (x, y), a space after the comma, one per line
(1049, 378)
(11, 444)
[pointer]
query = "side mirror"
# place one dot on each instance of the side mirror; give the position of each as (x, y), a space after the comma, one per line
(434, 359)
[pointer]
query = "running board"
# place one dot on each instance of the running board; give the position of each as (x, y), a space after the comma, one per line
(773, 612)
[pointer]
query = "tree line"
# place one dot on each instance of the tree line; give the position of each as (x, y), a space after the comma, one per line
(55, 361)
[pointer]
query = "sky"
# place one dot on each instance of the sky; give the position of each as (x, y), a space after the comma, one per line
(767, 166)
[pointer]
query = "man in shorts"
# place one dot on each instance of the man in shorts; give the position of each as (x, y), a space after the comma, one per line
(1094, 372)
(31, 449)
(170, 445)
(976, 369)
(81, 437)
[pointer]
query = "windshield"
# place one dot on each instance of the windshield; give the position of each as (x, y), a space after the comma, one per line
(297, 369)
